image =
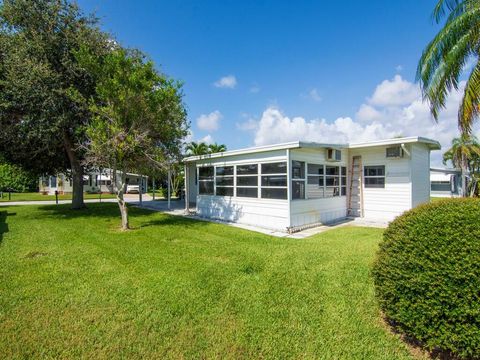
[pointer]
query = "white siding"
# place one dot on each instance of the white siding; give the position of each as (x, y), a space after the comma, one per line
(420, 174)
(266, 213)
(389, 202)
(314, 211)
(406, 185)
(323, 210)
(255, 158)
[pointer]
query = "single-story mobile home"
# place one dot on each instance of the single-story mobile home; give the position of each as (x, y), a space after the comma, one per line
(295, 185)
(95, 182)
(445, 182)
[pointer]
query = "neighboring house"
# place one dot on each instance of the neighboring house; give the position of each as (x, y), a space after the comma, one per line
(93, 182)
(445, 182)
(296, 185)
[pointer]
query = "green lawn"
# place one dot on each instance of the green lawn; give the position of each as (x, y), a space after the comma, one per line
(72, 285)
(39, 197)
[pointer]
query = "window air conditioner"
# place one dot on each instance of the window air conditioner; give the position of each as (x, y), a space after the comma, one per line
(334, 155)
(394, 152)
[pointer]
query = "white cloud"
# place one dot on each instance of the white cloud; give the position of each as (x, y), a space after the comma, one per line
(367, 113)
(391, 111)
(226, 82)
(209, 122)
(398, 68)
(207, 139)
(274, 127)
(395, 92)
(247, 125)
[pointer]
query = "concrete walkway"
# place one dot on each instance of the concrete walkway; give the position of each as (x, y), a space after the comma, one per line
(177, 207)
(130, 198)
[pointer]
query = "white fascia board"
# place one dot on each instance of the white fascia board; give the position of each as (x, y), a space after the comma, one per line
(433, 144)
(256, 149)
(251, 150)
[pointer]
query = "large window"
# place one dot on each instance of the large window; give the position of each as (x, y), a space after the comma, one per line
(247, 180)
(441, 186)
(206, 180)
(274, 180)
(374, 176)
(270, 180)
(332, 181)
(298, 179)
(224, 180)
(315, 181)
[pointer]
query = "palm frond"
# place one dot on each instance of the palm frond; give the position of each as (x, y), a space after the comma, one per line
(444, 6)
(470, 106)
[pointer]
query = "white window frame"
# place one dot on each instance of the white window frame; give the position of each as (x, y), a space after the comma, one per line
(384, 176)
(317, 176)
(343, 177)
(304, 179)
(205, 180)
(338, 177)
(260, 174)
(247, 186)
(223, 177)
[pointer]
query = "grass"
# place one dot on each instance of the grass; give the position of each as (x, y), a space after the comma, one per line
(72, 285)
(35, 196)
(162, 195)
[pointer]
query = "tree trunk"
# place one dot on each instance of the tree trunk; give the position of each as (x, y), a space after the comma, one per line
(123, 210)
(77, 174)
(122, 205)
(464, 176)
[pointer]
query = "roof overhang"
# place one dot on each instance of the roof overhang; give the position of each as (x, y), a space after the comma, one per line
(264, 148)
(432, 144)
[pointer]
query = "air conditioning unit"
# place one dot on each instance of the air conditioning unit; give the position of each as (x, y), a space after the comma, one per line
(334, 155)
(394, 152)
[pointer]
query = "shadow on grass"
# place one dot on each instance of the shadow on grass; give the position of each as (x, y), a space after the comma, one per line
(92, 210)
(111, 211)
(173, 220)
(3, 223)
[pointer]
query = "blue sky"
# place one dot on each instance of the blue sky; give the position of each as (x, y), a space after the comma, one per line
(300, 67)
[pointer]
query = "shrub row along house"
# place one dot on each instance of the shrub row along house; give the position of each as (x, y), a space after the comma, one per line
(295, 185)
(94, 182)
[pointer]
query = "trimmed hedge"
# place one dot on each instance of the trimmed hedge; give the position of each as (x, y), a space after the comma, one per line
(427, 275)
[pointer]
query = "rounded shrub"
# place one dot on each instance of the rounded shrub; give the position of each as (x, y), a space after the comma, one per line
(427, 276)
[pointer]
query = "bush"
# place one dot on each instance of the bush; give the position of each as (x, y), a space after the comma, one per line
(15, 178)
(427, 276)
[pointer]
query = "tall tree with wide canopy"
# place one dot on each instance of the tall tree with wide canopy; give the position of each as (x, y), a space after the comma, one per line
(42, 112)
(139, 118)
(443, 60)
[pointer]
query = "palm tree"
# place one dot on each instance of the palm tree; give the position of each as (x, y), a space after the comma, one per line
(195, 148)
(463, 154)
(443, 60)
(216, 148)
